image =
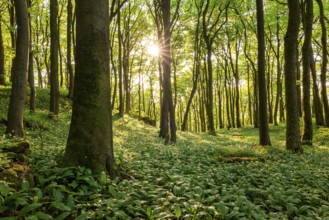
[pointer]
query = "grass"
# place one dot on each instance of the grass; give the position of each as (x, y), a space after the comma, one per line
(187, 180)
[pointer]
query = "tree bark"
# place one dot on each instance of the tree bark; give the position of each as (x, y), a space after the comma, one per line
(2, 58)
(318, 108)
(264, 137)
(168, 105)
(69, 48)
(90, 141)
(31, 67)
(306, 53)
(19, 79)
(290, 69)
(54, 39)
(324, 64)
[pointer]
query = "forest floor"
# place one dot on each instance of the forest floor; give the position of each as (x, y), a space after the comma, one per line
(228, 176)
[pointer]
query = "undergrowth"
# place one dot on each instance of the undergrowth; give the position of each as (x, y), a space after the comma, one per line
(186, 180)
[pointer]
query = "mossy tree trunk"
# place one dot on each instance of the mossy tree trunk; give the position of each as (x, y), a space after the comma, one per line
(90, 141)
(19, 77)
(290, 70)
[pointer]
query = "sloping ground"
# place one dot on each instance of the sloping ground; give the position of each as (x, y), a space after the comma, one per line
(188, 180)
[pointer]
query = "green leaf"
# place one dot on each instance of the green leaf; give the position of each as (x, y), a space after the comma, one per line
(43, 216)
(58, 195)
(62, 216)
(4, 188)
(28, 208)
(112, 191)
(82, 216)
(178, 212)
(102, 178)
(25, 185)
(60, 206)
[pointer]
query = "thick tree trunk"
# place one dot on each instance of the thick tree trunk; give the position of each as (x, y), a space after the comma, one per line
(324, 63)
(2, 58)
(306, 52)
(54, 38)
(290, 68)
(90, 141)
(19, 79)
(264, 137)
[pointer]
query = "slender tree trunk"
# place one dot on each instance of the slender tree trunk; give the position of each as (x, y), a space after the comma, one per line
(324, 64)
(318, 109)
(168, 105)
(308, 23)
(69, 48)
(54, 38)
(264, 137)
(278, 73)
(13, 35)
(19, 82)
(196, 73)
(290, 68)
(90, 141)
(31, 69)
(2, 58)
(121, 103)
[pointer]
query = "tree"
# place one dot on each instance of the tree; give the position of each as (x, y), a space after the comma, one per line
(31, 69)
(264, 137)
(19, 77)
(54, 38)
(307, 14)
(167, 103)
(69, 48)
(290, 70)
(90, 141)
(324, 63)
(2, 58)
(210, 31)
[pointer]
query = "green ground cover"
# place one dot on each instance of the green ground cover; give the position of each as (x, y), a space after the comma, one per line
(196, 178)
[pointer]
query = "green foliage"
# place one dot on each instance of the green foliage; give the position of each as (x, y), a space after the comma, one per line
(182, 181)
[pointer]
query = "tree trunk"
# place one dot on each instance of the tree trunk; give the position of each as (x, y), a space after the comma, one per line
(121, 103)
(19, 84)
(69, 48)
(2, 58)
(168, 105)
(31, 69)
(264, 137)
(278, 73)
(196, 72)
(90, 141)
(318, 110)
(324, 63)
(54, 38)
(306, 52)
(290, 69)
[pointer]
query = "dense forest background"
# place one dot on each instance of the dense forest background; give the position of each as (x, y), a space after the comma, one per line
(214, 72)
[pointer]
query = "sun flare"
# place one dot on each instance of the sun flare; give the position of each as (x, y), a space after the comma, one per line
(153, 50)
